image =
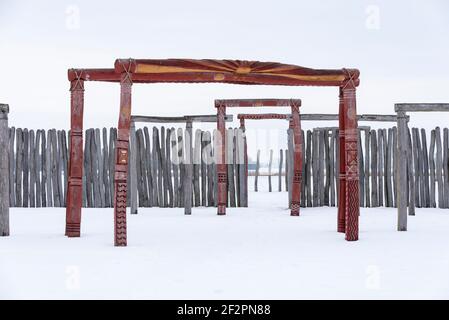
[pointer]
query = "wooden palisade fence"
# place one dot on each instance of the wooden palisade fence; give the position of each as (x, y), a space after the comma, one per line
(38, 162)
(377, 158)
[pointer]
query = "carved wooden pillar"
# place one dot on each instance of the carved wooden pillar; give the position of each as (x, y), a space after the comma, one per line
(351, 158)
(121, 160)
(75, 181)
(342, 167)
(297, 160)
(222, 193)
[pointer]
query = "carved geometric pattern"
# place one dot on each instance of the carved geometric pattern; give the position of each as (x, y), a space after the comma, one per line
(73, 229)
(265, 116)
(123, 156)
(295, 208)
(127, 66)
(240, 71)
(221, 110)
(222, 177)
(120, 214)
(78, 83)
(352, 210)
(76, 133)
(351, 157)
(297, 177)
(295, 104)
(221, 209)
(350, 81)
(351, 146)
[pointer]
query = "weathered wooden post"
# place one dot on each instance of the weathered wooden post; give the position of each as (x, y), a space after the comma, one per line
(4, 171)
(256, 177)
(188, 178)
(401, 168)
(243, 165)
(270, 163)
(281, 160)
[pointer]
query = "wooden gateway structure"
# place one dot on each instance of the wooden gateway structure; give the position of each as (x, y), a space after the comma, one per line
(294, 124)
(130, 71)
(290, 159)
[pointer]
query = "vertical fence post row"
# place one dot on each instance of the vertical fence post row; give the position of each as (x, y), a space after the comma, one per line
(38, 168)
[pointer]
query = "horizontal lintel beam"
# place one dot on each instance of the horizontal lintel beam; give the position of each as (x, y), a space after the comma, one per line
(242, 103)
(264, 116)
(364, 128)
(421, 107)
(362, 117)
(181, 119)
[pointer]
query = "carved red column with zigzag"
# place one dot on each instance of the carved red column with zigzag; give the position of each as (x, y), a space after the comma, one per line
(222, 178)
(297, 159)
(75, 181)
(121, 161)
(351, 157)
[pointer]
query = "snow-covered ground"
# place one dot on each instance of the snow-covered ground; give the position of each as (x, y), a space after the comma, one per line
(255, 253)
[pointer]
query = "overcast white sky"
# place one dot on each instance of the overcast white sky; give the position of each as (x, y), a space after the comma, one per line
(400, 47)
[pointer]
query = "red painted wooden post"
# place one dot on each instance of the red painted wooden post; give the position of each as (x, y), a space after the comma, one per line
(121, 161)
(75, 181)
(351, 156)
(297, 163)
(222, 193)
(342, 170)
